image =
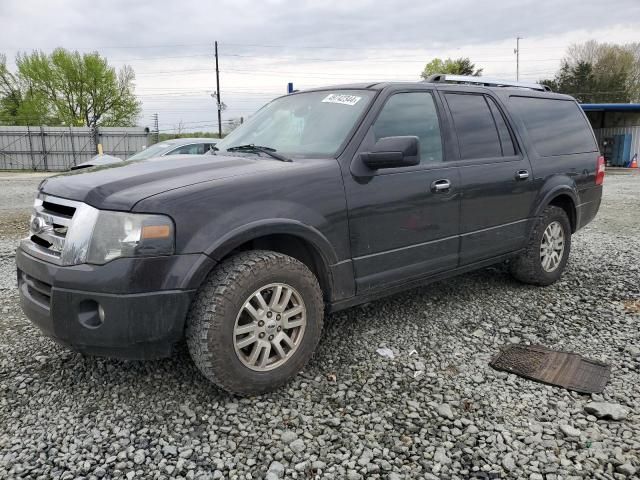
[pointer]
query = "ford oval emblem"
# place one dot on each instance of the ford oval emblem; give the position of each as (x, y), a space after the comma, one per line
(38, 225)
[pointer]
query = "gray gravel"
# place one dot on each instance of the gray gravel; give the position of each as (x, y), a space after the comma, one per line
(436, 410)
(16, 197)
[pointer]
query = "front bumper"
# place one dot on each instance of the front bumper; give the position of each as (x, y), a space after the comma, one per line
(128, 308)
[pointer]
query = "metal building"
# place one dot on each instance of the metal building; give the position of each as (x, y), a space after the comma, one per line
(617, 128)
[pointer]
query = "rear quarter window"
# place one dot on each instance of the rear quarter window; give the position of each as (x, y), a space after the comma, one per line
(556, 127)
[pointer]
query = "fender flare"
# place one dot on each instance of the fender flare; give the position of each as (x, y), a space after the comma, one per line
(556, 192)
(236, 237)
(251, 231)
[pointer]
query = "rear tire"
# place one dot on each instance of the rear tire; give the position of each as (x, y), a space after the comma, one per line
(547, 251)
(255, 322)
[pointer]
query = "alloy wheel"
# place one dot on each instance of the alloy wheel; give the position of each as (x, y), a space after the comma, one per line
(269, 327)
(552, 247)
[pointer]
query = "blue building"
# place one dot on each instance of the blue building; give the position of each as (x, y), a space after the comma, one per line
(617, 128)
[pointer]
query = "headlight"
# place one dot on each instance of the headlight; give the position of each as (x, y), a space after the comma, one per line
(98, 236)
(118, 234)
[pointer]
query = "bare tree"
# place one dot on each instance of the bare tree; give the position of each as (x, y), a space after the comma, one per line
(179, 128)
(600, 72)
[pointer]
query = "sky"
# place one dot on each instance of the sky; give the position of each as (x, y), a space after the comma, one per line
(264, 44)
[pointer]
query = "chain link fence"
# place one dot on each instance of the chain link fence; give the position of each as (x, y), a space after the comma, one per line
(60, 148)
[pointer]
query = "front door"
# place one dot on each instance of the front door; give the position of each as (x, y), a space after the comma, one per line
(403, 222)
(496, 178)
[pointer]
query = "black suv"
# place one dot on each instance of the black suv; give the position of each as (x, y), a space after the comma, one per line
(324, 199)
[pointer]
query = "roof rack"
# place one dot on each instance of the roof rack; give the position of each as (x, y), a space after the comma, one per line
(484, 81)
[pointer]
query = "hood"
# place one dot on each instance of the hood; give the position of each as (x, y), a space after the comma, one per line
(121, 185)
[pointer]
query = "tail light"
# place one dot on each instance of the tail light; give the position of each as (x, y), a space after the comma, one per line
(600, 171)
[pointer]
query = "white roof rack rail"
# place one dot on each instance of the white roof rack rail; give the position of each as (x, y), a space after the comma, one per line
(484, 81)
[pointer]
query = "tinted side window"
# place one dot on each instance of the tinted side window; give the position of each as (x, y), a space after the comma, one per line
(508, 148)
(415, 114)
(477, 133)
(556, 127)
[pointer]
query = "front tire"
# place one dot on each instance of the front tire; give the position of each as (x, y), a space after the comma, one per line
(547, 251)
(255, 322)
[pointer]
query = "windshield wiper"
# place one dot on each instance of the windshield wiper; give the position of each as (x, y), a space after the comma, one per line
(250, 147)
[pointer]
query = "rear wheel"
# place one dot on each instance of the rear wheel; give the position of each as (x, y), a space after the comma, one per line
(255, 322)
(547, 252)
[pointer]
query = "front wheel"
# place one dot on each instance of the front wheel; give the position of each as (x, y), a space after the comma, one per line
(547, 251)
(255, 322)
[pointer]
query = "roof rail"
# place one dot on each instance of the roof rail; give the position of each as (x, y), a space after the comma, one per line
(487, 82)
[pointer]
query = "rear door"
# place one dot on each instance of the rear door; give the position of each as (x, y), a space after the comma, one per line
(496, 179)
(401, 226)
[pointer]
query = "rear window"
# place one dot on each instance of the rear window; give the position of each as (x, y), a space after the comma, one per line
(556, 127)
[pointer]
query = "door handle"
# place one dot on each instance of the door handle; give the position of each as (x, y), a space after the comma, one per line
(440, 186)
(522, 174)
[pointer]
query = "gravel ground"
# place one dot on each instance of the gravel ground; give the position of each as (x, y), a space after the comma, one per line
(436, 410)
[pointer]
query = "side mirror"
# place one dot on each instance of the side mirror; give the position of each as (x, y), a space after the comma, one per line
(393, 152)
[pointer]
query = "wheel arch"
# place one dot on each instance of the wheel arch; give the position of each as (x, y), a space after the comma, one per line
(288, 237)
(566, 203)
(565, 197)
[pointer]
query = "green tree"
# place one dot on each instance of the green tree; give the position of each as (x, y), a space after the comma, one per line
(70, 89)
(10, 95)
(459, 66)
(599, 73)
(18, 105)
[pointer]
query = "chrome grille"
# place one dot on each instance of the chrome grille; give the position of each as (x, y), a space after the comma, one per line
(49, 225)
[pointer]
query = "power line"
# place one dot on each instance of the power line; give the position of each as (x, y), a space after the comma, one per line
(287, 46)
(199, 95)
(254, 71)
(157, 58)
(395, 59)
(274, 71)
(342, 47)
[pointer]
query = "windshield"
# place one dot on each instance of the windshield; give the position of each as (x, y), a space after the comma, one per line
(313, 124)
(152, 151)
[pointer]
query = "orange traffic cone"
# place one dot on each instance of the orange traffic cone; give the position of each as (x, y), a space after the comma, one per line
(634, 162)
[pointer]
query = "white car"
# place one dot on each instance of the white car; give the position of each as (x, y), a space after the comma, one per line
(176, 146)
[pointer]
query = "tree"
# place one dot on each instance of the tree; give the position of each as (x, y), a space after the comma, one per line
(10, 97)
(19, 106)
(459, 66)
(67, 88)
(179, 128)
(599, 73)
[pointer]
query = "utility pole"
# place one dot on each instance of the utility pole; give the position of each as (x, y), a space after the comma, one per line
(156, 128)
(517, 52)
(218, 92)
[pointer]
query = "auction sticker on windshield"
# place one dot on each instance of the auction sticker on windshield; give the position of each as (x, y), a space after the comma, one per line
(342, 98)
